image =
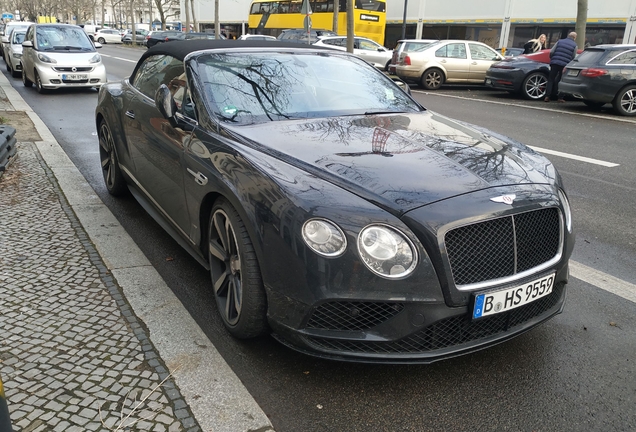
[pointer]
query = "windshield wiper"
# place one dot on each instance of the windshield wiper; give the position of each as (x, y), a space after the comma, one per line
(67, 47)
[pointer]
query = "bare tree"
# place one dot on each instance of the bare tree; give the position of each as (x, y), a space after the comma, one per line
(163, 8)
(187, 11)
(194, 17)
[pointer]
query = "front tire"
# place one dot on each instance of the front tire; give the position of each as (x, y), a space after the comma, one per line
(534, 86)
(625, 101)
(101, 40)
(236, 276)
(27, 82)
(113, 178)
(432, 79)
(38, 84)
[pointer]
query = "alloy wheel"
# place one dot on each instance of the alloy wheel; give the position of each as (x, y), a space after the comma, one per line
(628, 102)
(433, 80)
(535, 86)
(226, 267)
(107, 155)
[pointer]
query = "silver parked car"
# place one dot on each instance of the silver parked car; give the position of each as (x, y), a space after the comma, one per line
(13, 52)
(60, 55)
(366, 49)
(447, 61)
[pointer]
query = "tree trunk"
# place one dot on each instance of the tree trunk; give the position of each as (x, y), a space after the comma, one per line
(581, 21)
(217, 30)
(350, 26)
(187, 11)
(103, 12)
(336, 11)
(194, 16)
(132, 20)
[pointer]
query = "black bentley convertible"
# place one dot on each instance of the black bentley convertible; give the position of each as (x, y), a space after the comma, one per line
(332, 209)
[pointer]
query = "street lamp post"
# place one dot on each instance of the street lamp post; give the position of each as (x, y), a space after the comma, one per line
(404, 20)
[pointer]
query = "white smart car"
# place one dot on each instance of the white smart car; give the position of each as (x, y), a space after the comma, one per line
(60, 55)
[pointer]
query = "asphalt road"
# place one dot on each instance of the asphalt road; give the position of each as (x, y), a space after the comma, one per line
(576, 372)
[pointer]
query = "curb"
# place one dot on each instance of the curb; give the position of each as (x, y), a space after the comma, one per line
(216, 396)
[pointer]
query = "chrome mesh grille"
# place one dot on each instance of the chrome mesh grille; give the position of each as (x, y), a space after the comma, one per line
(486, 250)
(450, 331)
(352, 316)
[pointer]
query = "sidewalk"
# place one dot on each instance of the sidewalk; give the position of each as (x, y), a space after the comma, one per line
(91, 337)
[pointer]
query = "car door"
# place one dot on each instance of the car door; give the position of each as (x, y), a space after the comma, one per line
(454, 59)
(372, 52)
(156, 146)
(481, 58)
(28, 54)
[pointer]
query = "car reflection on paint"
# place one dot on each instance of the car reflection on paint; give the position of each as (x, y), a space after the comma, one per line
(332, 210)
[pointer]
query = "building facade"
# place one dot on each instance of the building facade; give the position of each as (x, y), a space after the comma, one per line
(509, 23)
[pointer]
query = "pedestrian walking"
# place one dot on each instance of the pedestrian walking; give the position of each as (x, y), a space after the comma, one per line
(562, 53)
(534, 45)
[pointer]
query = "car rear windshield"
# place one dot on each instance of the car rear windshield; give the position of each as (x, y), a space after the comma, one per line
(589, 57)
(256, 87)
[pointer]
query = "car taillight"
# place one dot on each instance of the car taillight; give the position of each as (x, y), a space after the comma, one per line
(593, 72)
(407, 61)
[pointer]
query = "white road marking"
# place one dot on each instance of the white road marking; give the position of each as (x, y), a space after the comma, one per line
(603, 281)
(118, 58)
(597, 116)
(575, 157)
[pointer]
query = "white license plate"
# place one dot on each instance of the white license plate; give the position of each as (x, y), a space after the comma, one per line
(494, 302)
(573, 72)
(74, 77)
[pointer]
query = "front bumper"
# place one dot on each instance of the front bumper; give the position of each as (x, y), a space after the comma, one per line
(58, 76)
(435, 331)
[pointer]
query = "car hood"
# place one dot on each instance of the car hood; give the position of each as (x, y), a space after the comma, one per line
(401, 161)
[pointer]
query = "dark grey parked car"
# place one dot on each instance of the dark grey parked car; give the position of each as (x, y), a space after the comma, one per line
(603, 74)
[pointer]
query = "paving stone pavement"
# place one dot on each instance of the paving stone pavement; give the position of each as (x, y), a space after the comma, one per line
(73, 356)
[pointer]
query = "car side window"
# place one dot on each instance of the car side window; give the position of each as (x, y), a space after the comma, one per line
(29, 35)
(453, 50)
(627, 58)
(154, 71)
(479, 52)
(366, 45)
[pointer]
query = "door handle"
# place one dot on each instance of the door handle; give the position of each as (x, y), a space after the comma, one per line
(198, 177)
(442, 61)
(474, 63)
(130, 114)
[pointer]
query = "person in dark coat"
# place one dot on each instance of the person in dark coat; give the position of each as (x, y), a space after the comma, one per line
(534, 45)
(562, 53)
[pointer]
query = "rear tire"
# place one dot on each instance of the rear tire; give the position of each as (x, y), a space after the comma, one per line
(236, 276)
(101, 40)
(534, 86)
(625, 101)
(432, 79)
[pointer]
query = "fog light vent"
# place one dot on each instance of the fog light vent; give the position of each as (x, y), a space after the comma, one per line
(352, 316)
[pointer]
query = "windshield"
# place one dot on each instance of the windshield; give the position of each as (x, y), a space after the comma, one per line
(52, 38)
(247, 88)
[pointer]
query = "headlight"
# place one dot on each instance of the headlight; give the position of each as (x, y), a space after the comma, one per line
(567, 210)
(95, 59)
(46, 59)
(386, 251)
(17, 55)
(324, 237)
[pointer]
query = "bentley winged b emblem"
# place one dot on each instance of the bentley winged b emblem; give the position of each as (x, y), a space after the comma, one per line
(506, 199)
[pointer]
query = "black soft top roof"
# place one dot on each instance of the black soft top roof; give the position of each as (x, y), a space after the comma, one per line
(181, 48)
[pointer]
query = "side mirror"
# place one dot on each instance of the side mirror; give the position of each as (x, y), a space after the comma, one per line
(5, 39)
(97, 45)
(27, 44)
(165, 104)
(404, 86)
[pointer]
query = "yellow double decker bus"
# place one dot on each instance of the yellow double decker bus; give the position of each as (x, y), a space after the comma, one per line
(271, 17)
